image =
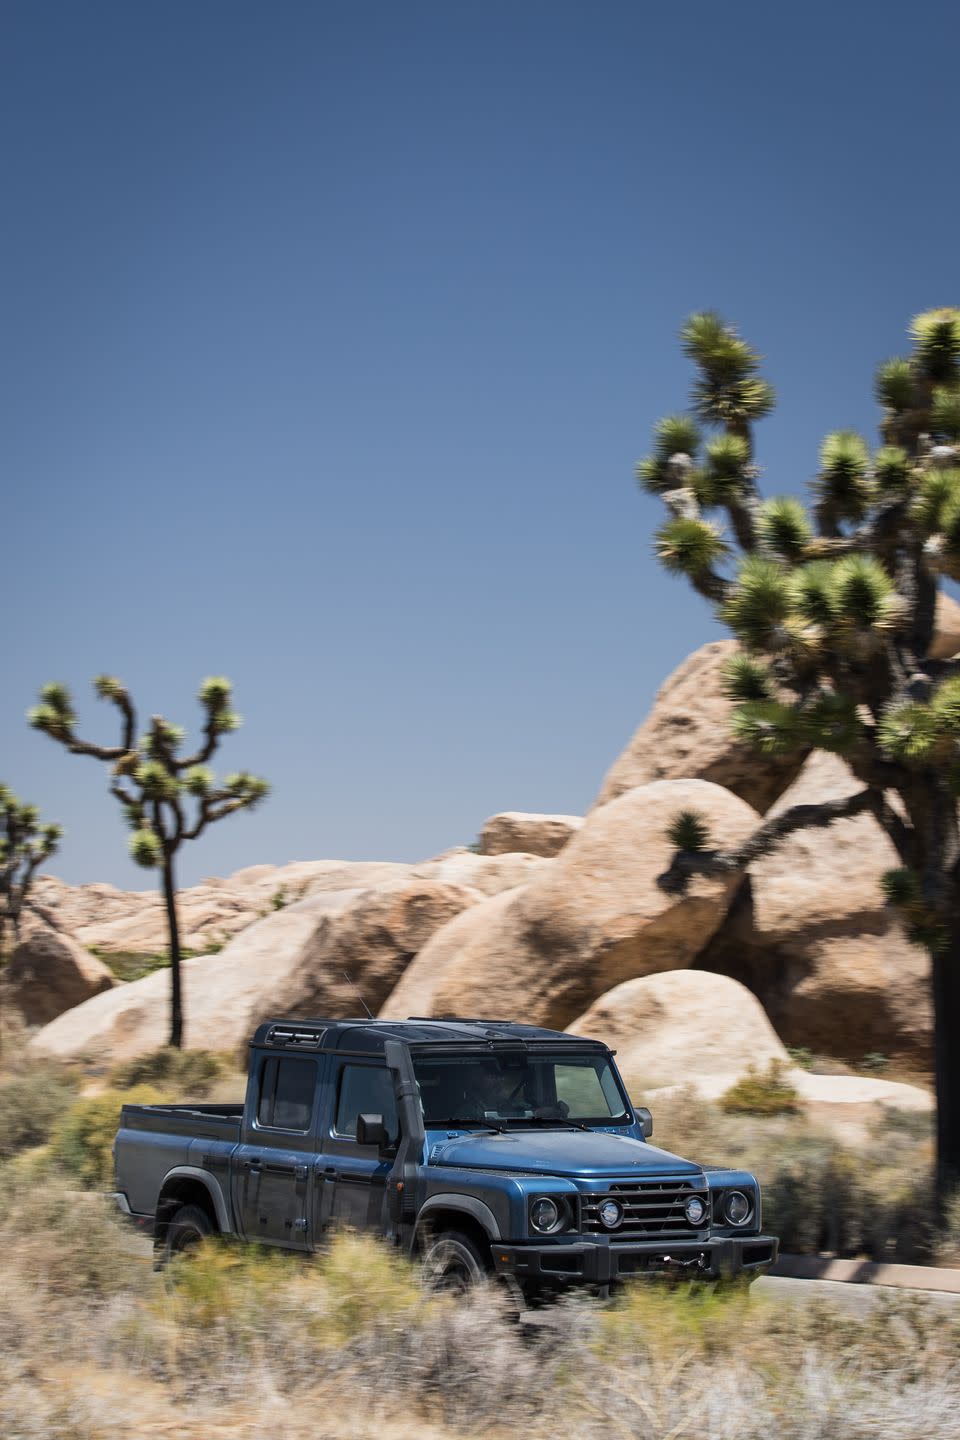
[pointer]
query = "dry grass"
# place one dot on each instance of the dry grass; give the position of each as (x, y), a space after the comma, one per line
(94, 1345)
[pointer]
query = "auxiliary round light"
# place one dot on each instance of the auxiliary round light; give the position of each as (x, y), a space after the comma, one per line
(737, 1208)
(695, 1210)
(611, 1214)
(544, 1215)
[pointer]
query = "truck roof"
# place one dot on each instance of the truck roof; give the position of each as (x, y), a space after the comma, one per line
(372, 1035)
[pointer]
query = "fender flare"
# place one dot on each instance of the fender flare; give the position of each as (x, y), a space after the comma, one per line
(469, 1205)
(210, 1183)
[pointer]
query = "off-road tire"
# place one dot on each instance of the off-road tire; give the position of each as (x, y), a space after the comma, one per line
(189, 1227)
(452, 1262)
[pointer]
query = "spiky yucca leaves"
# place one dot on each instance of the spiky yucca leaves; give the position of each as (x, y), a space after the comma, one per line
(901, 887)
(745, 678)
(675, 435)
(769, 726)
(759, 603)
(864, 596)
(891, 471)
(146, 848)
(25, 843)
(937, 490)
(945, 412)
(843, 482)
(936, 336)
(909, 732)
(728, 391)
(812, 592)
(783, 528)
(689, 547)
(895, 385)
(54, 715)
(724, 477)
(831, 722)
(246, 789)
(689, 831)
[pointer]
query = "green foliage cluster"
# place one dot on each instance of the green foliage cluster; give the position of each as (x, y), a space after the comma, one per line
(32, 1102)
(82, 1139)
(180, 1074)
(766, 1092)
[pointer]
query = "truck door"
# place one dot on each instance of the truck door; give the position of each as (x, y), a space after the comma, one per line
(354, 1176)
(275, 1162)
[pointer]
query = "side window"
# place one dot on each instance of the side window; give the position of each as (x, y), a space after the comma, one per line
(366, 1090)
(287, 1089)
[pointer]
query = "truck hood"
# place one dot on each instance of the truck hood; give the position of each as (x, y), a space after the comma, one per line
(572, 1153)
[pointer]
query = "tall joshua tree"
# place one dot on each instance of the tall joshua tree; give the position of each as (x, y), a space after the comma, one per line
(167, 798)
(834, 611)
(24, 845)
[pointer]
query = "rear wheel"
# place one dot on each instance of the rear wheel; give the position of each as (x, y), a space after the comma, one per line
(189, 1227)
(452, 1263)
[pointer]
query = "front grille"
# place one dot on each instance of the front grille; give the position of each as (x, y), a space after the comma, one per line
(650, 1208)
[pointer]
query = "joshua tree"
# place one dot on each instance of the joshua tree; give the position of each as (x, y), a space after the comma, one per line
(24, 845)
(834, 612)
(167, 798)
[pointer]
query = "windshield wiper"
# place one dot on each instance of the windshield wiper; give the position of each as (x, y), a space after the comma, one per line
(467, 1124)
(563, 1120)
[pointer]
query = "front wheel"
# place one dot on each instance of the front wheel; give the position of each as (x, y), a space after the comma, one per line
(452, 1263)
(189, 1227)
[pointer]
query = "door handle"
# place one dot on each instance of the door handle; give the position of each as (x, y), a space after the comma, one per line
(253, 1166)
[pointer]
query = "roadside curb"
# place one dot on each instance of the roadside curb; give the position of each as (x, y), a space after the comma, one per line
(867, 1272)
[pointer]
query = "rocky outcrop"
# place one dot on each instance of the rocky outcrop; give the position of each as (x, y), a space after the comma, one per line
(595, 916)
(687, 736)
(49, 973)
(809, 933)
(946, 638)
(326, 954)
(134, 922)
(514, 832)
(683, 1027)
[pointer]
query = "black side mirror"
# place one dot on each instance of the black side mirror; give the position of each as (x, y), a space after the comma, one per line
(646, 1120)
(372, 1131)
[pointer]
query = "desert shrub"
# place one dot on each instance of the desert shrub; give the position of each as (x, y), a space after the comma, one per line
(186, 1074)
(132, 964)
(82, 1140)
(766, 1092)
(31, 1103)
(69, 1243)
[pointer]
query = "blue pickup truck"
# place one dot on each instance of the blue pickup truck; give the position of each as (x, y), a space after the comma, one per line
(482, 1146)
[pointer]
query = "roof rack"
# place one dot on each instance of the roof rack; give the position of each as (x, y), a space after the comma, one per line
(295, 1036)
(464, 1020)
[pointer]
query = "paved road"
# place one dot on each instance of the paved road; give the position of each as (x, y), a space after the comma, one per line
(857, 1298)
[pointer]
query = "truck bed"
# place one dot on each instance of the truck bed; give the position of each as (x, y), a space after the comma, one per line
(193, 1122)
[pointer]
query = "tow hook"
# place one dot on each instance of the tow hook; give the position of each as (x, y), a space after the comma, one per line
(700, 1262)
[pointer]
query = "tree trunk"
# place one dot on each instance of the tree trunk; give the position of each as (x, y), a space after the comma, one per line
(173, 931)
(946, 1023)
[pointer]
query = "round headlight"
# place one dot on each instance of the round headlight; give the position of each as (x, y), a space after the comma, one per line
(737, 1208)
(695, 1210)
(610, 1214)
(544, 1215)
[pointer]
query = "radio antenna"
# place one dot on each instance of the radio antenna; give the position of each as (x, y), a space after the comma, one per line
(353, 984)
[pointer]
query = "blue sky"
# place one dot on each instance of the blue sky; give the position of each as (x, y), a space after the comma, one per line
(330, 335)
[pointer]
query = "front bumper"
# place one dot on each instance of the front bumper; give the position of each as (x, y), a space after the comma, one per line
(599, 1261)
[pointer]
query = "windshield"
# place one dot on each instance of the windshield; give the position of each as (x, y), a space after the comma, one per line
(510, 1088)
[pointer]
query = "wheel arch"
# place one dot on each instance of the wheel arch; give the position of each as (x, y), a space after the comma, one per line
(457, 1212)
(189, 1185)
